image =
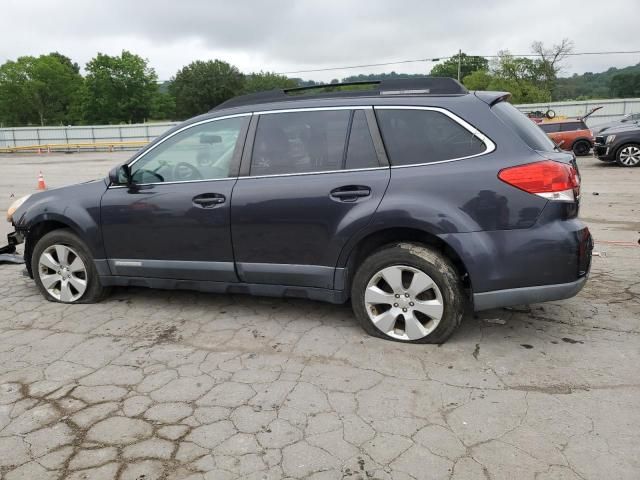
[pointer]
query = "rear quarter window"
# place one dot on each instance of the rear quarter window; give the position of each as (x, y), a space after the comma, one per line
(550, 127)
(414, 137)
(573, 126)
(528, 131)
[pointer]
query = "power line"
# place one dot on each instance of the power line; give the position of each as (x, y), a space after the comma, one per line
(437, 59)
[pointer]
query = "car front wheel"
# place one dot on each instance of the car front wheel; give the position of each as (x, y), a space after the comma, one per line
(629, 155)
(63, 269)
(408, 293)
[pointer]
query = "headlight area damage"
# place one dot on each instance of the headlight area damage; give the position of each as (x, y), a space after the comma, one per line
(7, 252)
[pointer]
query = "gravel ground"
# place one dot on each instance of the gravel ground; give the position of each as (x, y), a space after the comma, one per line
(155, 384)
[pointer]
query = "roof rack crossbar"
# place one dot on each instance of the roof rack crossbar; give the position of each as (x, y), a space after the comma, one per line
(408, 86)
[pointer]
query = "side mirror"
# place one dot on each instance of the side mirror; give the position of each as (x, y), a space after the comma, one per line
(120, 175)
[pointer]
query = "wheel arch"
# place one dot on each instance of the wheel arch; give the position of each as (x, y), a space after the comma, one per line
(39, 228)
(582, 139)
(373, 241)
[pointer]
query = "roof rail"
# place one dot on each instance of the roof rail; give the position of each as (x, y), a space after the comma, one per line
(400, 86)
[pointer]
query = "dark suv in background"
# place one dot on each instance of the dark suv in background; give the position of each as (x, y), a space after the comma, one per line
(412, 198)
(620, 145)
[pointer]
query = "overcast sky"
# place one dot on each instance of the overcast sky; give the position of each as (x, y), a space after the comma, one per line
(289, 35)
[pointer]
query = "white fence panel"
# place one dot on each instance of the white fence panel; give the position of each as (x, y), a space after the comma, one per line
(25, 136)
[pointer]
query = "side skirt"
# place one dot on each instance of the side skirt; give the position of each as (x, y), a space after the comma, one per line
(256, 289)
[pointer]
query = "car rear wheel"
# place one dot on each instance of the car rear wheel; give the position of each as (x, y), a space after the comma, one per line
(581, 148)
(629, 155)
(408, 293)
(63, 269)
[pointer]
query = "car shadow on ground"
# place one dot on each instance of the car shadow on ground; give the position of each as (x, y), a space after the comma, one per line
(294, 315)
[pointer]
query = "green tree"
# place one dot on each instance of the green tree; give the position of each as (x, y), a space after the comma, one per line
(38, 90)
(200, 86)
(119, 89)
(468, 65)
(520, 76)
(258, 82)
(551, 61)
(625, 85)
(163, 106)
(478, 80)
(66, 61)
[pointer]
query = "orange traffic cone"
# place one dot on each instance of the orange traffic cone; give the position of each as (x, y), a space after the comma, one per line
(41, 184)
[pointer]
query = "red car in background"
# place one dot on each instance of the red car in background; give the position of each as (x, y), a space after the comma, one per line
(570, 134)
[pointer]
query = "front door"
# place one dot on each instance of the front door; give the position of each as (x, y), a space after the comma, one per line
(174, 221)
(315, 179)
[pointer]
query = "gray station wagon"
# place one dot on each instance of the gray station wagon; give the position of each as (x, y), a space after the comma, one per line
(415, 199)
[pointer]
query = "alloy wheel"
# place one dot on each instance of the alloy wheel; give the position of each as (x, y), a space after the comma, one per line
(404, 302)
(62, 273)
(630, 156)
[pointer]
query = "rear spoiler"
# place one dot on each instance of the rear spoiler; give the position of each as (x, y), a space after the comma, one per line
(491, 98)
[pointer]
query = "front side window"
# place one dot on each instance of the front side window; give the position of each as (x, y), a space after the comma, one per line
(299, 142)
(201, 152)
(425, 136)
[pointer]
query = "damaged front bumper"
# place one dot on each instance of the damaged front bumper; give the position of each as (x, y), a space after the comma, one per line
(13, 239)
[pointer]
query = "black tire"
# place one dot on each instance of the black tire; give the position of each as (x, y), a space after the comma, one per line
(424, 259)
(581, 148)
(622, 149)
(94, 290)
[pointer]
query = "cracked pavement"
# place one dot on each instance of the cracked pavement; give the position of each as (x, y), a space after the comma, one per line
(183, 385)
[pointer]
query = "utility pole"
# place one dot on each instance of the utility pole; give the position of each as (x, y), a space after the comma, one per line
(459, 62)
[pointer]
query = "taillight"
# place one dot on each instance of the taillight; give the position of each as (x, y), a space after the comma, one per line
(548, 179)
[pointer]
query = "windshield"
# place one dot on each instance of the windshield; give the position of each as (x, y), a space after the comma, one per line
(528, 131)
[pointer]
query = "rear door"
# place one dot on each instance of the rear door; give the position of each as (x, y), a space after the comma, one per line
(310, 179)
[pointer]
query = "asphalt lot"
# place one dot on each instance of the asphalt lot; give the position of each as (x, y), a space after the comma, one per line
(156, 384)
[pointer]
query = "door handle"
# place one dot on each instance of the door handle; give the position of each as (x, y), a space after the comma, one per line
(208, 200)
(350, 193)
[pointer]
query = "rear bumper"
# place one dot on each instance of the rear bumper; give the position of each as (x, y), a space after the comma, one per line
(549, 261)
(526, 295)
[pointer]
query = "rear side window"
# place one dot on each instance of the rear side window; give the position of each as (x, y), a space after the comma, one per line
(360, 153)
(523, 127)
(573, 126)
(425, 136)
(299, 142)
(550, 127)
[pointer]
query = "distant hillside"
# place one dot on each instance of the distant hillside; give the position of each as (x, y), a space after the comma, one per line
(598, 85)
